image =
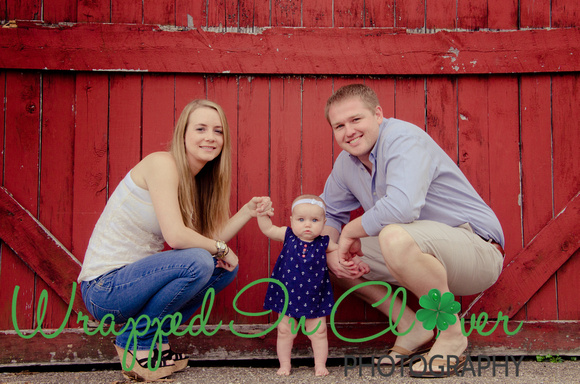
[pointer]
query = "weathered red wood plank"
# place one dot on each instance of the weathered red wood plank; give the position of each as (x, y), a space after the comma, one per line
(536, 159)
(410, 100)
(502, 14)
(123, 11)
(503, 142)
(2, 120)
(40, 250)
(287, 13)
(59, 11)
(379, 13)
(159, 12)
(29, 10)
(504, 157)
(158, 112)
(568, 288)
(535, 13)
(441, 112)
(385, 90)
(75, 347)
(317, 138)
(124, 126)
(188, 88)
(254, 13)
(288, 50)
(566, 165)
(253, 123)
(3, 247)
(92, 11)
(473, 132)
(348, 13)
(410, 14)
(56, 175)
(565, 13)
(216, 14)
(90, 157)
(317, 13)
(441, 14)
(287, 168)
(193, 12)
(472, 14)
(21, 160)
(539, 260)
(224, 91)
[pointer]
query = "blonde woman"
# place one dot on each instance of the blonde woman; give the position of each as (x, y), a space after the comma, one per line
(180, 197)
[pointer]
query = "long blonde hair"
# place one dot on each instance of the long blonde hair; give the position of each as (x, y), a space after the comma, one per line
(204, 199)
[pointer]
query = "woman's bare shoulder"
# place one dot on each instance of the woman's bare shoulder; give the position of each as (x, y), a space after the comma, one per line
(153, 165)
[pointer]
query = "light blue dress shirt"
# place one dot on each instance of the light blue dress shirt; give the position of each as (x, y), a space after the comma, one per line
(412, 179)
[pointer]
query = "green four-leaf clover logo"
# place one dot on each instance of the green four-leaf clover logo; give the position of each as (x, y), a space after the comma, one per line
(438, 310)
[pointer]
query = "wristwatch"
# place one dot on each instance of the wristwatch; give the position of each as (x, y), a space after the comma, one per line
(222, 249)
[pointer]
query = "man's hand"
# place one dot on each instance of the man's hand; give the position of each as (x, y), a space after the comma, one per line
(345, 269)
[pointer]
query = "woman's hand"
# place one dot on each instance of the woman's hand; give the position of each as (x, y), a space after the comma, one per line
(260, 205)
(229, 262)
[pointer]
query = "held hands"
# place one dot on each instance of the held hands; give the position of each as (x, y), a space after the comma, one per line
(259, 206)
(345, 262)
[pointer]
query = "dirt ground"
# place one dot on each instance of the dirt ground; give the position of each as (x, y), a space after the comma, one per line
(259, 371)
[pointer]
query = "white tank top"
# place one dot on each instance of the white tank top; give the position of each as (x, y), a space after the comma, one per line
(127, 231)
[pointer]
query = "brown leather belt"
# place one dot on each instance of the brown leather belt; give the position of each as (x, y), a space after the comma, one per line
(499, 247)
(496, 245)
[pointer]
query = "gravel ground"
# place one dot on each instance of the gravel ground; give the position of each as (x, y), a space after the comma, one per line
(258, 371)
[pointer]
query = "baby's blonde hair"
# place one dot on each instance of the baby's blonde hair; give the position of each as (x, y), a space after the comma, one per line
(314, 197)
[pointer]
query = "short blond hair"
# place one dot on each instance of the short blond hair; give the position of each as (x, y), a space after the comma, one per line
(365, 93)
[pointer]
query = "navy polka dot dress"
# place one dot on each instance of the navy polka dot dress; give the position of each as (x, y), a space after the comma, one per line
(301, 267)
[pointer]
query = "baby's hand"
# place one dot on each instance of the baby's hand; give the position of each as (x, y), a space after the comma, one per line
(265, 209)
(361, 265)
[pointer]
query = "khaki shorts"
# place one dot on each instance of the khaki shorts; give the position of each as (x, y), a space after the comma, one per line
(472, 264)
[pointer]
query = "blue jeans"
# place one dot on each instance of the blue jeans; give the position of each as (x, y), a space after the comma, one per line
(155, 286)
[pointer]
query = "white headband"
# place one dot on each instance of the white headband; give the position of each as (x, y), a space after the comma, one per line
(309, 201)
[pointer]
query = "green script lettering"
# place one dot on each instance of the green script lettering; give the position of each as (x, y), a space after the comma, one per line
(392, 327)
(40, 313)
(481, 321)
(267, 280)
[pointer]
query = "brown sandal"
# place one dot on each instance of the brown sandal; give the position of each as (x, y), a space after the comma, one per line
(180, 359)
(140, 370)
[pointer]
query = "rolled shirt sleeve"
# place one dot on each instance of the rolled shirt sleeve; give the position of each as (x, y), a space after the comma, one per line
(412, 179)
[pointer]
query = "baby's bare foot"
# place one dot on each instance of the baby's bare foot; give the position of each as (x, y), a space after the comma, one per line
(283, 371)
(320, 371)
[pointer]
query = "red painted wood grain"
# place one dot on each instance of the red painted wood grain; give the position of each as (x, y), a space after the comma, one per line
(124, 134)
(21, 160)
(158, 112)
(253, 119)
(410, 100)
(534, 13)
(56, 175)
(122, 47)
(123, 11)
(566, 163)
(90, 157)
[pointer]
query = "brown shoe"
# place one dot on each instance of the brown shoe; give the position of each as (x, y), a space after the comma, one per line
(180, 359)
(140, 370)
